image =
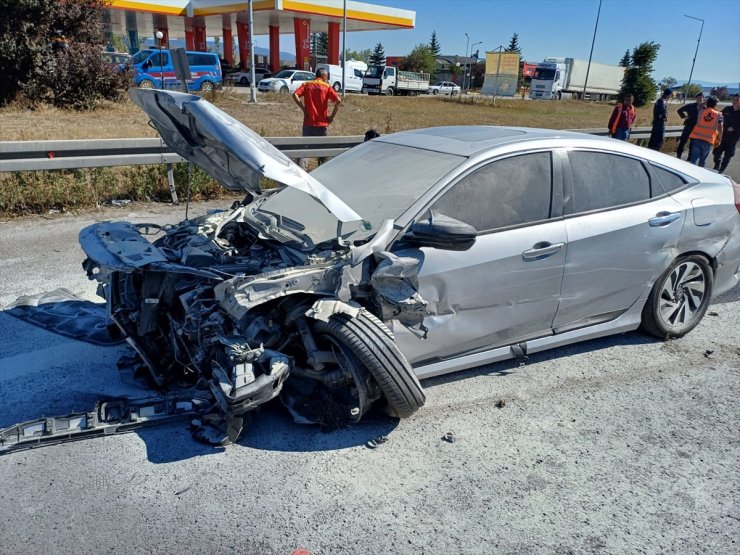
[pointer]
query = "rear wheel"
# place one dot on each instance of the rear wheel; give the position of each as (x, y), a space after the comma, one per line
(679, 298)
(368, 341)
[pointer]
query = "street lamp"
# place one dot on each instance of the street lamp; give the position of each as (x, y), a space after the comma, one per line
(160, 36)
(593, 41)
(467, 42)
(691, 74)
(470, 79)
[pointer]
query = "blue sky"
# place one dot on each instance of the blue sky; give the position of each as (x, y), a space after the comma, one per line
(565, 28)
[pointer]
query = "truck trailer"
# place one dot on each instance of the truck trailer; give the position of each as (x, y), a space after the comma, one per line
(389, 80)
(564, 78)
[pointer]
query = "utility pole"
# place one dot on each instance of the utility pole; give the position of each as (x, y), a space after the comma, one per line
(588, 67)
(252, 84)
(691, 74)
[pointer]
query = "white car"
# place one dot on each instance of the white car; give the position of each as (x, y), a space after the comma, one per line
(287, 81)
(243, 77)
(445, 87)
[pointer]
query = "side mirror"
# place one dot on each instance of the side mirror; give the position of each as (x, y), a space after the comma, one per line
(147, 64)
(442, 232)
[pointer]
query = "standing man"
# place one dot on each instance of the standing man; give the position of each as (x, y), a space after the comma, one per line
(660, 116)
(689, 114)
(731, 117)
(707, 131)
(316, 96)
(623, 117)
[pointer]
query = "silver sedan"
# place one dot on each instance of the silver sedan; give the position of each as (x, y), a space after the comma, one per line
(412, 255)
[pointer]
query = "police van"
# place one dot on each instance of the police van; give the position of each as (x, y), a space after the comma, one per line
(153, 72)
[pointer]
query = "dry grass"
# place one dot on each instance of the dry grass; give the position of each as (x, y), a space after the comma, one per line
(273, 116)
(277, 116)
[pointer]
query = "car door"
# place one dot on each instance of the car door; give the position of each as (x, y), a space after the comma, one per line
(507, 285)
(622, 229)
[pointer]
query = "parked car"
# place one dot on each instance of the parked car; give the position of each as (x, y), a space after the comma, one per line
(152, 72)
(286, 81)
(444, 87)
(243, 77)
(115, 59)
(353, 80)
(337, 289)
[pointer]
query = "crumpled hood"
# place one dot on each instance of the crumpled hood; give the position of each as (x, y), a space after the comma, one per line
(226, 149)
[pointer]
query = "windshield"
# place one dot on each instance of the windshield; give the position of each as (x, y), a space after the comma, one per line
(284, 74)
(545, 74)
(439, 83)
(378, 180)
(140, 56)
(374, 71)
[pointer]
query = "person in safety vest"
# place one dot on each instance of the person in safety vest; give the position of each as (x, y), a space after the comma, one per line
(316, 96)
(689, 113)
(706, 133)
(623, 117)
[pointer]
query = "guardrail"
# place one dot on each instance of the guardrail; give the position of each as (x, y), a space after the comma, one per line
(57, 155)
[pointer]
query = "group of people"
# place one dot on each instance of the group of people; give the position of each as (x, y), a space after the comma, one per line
(704, 126)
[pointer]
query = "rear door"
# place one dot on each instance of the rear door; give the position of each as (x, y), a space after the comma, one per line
(506, 287)
(622, 232)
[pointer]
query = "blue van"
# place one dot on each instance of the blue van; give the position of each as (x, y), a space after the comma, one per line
(150, 71)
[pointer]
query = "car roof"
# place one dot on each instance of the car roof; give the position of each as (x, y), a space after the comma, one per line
(471, 140)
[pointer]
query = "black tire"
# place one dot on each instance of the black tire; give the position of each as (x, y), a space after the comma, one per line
(337, 87)
(284, 90)
(244, 81)
(679, 298)
(206, 86)
(390, 92)
(372, 343)
(435, 91)
(147, 84)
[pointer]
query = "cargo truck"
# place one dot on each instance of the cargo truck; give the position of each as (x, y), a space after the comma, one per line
(389, 80)
(564, 78)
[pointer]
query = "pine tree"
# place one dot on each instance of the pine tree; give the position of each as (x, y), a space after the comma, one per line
(626, 60)
(514, 45)
(434, 44)
(637, 80)
(377, 58)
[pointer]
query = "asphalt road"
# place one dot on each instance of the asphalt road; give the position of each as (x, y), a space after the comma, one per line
(621, 445)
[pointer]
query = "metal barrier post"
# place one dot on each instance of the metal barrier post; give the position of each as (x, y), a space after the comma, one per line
(171, 181)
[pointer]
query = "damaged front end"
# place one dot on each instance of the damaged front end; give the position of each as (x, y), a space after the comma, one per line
(216, 305)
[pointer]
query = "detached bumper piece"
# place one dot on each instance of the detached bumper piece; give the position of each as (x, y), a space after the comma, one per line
(110, 416)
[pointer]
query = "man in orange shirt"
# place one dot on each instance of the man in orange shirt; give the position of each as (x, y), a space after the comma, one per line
(316, 96)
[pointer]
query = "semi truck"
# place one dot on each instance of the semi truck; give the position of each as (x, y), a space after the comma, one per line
(564, 78)
(389, 80)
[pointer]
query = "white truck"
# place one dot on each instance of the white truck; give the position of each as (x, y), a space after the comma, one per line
(355, 72)
(564, 78)
(389, 80)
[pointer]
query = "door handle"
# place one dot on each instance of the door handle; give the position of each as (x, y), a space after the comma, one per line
(542, 250)
(662, 219)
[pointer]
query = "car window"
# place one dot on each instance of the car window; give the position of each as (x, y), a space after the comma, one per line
(670, 181)
(165, 61)
(358, 73)
(508, 192)
(602, 180)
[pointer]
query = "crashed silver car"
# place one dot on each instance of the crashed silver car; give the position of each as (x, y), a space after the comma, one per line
(412, 255)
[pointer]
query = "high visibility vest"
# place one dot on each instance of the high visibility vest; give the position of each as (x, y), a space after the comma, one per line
(706, 126)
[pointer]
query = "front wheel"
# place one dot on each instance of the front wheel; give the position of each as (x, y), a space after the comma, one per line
(435, 91)
(370, 342)
(244, 81)
(390, 91)
(337, 87)
(146, 84)
(206, 86)
(679, 298)
(284, 90)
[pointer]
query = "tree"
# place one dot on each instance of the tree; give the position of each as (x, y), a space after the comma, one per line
(690, 90)
(377, 58)
(421, 59)
(216, 45)
(50, 51)
(514, 45)
(668, 83)
(362, 55)
(319, 45)
(722, 92)
(434, 44)
(626, 60)
(637, 80)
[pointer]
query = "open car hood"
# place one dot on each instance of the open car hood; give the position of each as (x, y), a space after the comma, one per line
(226, 149)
